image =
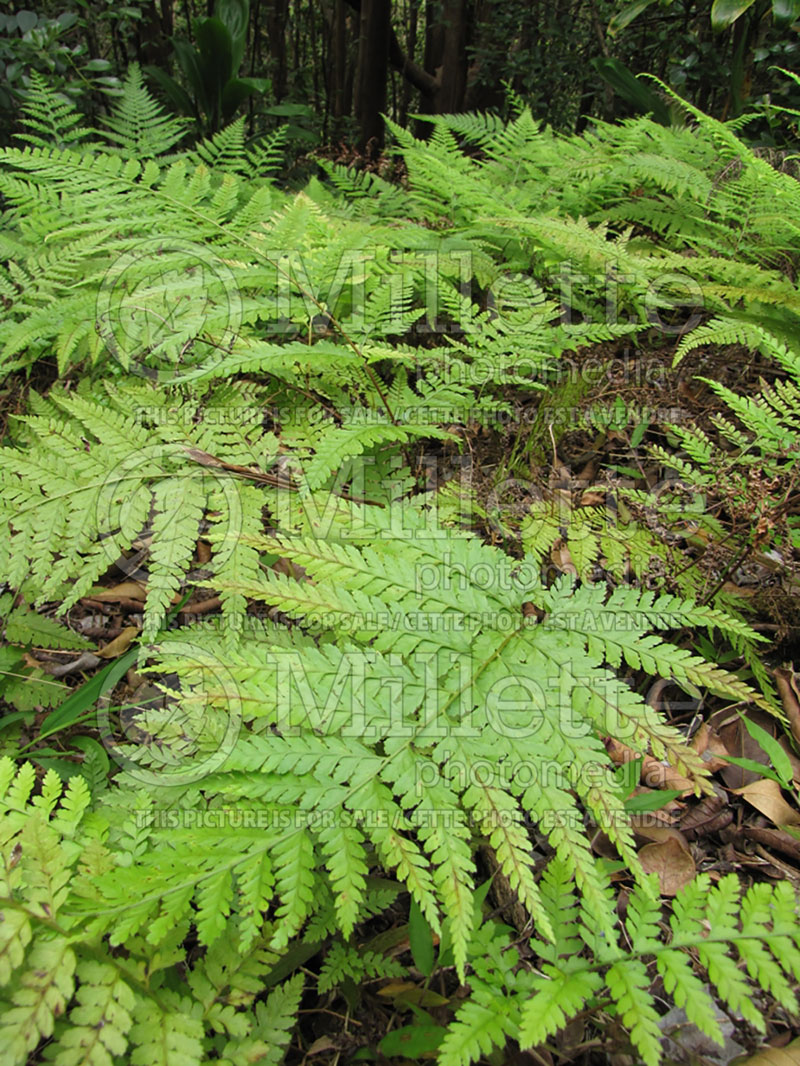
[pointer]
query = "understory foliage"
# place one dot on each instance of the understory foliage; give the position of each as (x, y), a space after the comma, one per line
(381, 692)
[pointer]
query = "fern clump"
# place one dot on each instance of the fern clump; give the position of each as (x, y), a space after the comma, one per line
(381, 694)
(742, 942)
(61, 983)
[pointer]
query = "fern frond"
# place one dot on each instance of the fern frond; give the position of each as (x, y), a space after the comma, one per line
(138, 125)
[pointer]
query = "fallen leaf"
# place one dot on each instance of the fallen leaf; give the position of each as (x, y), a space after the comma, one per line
(396, 988)
(710, 815)
(654, 774)
(422, 997)
(709, 747)
(560, 557)
(656, 834)
(788, 684)
(778, 839)
(119, 644)
(766, 796)
(772, 1056)
(125, 590)
(322, 1043)
(593, 498)
(729, 736)
(87, 661)
(672, 862)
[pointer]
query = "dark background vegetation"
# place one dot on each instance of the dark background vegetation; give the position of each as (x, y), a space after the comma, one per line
(327, 69)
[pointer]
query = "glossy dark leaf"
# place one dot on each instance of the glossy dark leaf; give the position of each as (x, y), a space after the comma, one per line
(725, 12)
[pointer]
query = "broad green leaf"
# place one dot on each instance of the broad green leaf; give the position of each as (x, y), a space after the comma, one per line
(626, 16)
(412, 1041)
(778, 757)
(421, 940)
(725, 12)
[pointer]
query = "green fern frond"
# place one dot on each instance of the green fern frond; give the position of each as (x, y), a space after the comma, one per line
(49, 119)
(137, 125)
(726, 929)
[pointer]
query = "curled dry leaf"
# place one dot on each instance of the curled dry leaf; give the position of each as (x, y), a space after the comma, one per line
(672, 861)
(777, 839)
(766, 796)
(788, 685)
(710, 815)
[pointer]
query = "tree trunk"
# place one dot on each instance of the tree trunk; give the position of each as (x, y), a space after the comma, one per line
(411, 49)
(338, 67)
(276, 12)
(373, 64)
(152, 47)
(453, 79)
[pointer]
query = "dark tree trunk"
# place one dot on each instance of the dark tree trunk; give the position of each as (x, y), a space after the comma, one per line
(411, 49)
(338, 68)
(276, 12)
(453, 79)
(152, 46)
(373, 65)
(404, 64)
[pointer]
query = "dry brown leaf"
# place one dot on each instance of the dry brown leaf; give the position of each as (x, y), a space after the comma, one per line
(560, 556)
(119, 644)
(778, 839)
(700, 738)
(708, 746)
(593, 498)
(653, 774)
(710, 815)
(656, 834)
(672, 862)
(728, 736)
(126, 590)
(320, 1045)
(766, 796)
(772, 1056)
(788, 684)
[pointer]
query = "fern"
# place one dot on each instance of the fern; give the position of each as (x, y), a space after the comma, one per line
(227, 152)
(23, 684)
(756, 929)
(749, 461)
(369, 747)
(382, 692)
(137, 125)
(48, 117)
(62, 983)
